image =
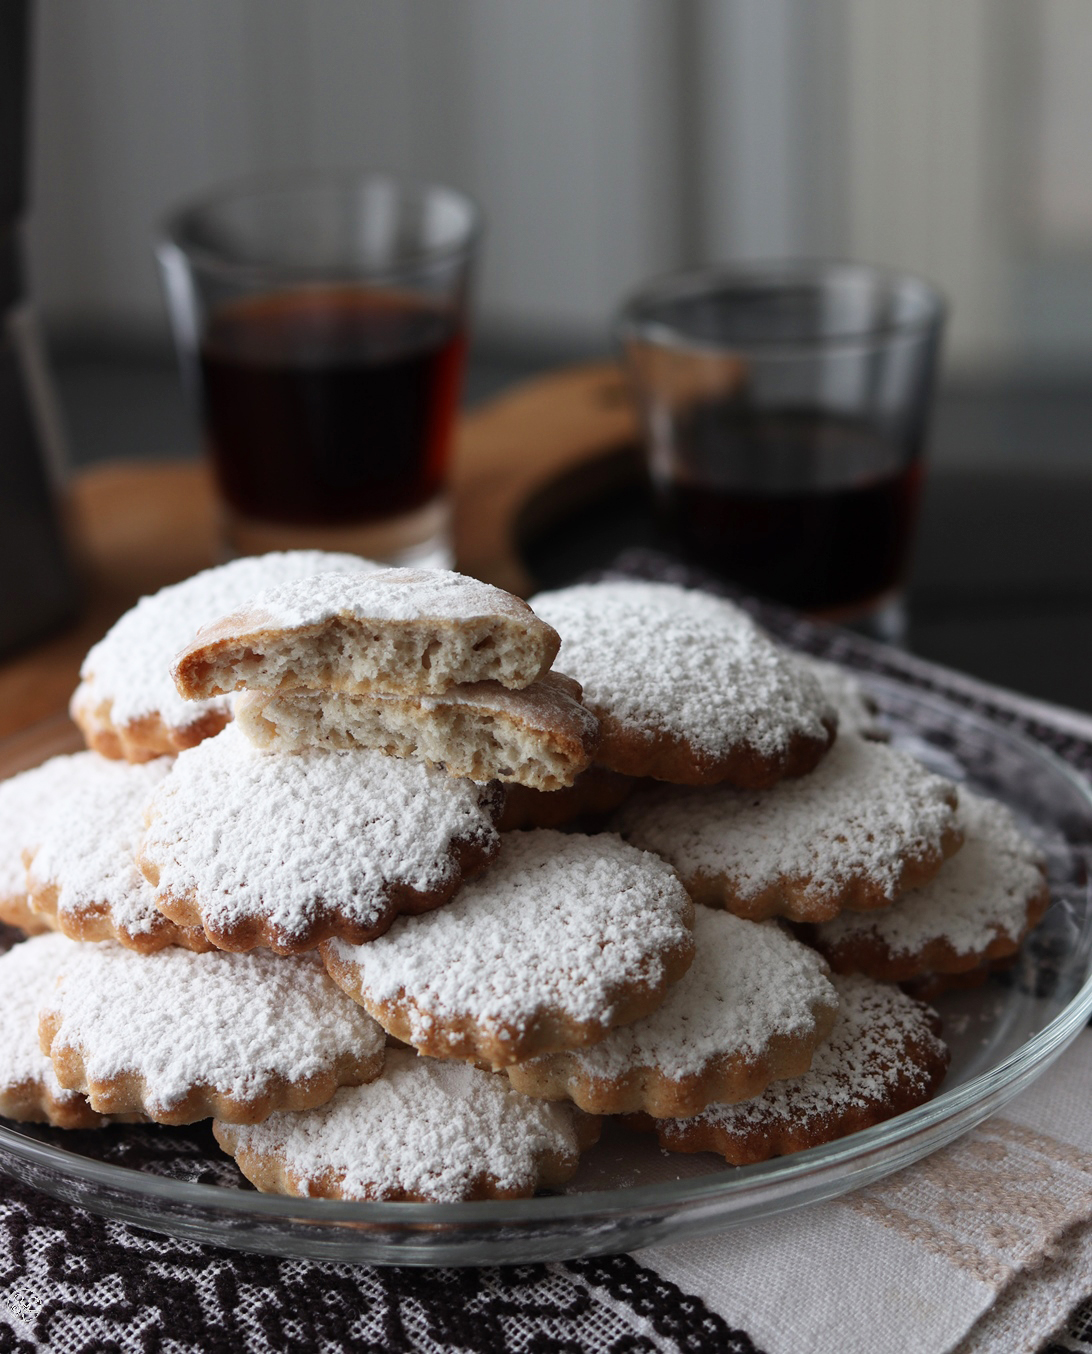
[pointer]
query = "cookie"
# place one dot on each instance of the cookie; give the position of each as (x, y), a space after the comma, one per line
(931, 986)
(399, 632)
(23, 798)
(126, 703)
(686, 687)
(855, 708)
(883, 1057)
(867, 824)
(750, 1009)
(593, 795)
(425, 1131)
(977, 909)
(564, 938)
(29, 1089)
(179, 1036)
(540, 736)
(15, 910)
(81, 876)
(285, 851)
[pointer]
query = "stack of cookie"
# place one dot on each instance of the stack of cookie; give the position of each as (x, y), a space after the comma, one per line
(248, 924)
(889, 870)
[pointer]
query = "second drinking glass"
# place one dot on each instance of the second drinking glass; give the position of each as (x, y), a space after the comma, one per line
(785, 412)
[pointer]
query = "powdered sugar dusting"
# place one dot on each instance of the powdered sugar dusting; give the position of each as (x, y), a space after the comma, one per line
(386, 595)
(230, 1022)
(846, 694)
(28, 974)
(287, 837)
(860, 813)
(131, 665)
(23, 800)
(86, 832)
(749, 983)
(425, 1127)
(560, 923)
(858, 1067)
(662, 659)
(981, 893)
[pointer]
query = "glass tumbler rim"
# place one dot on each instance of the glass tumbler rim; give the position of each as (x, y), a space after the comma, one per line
(179, 230)
(638, 317)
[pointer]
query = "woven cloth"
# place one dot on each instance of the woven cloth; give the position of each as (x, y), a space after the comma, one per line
(984, 1246)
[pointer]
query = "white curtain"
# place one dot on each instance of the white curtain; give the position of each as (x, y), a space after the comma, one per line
(608, 140)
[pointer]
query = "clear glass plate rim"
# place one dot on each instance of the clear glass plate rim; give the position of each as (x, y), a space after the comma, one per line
(1033, 1056)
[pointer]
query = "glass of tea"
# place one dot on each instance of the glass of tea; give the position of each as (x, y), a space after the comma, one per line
(785, 411)
(321, 325)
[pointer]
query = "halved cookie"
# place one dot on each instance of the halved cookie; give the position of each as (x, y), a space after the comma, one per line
(126, 703)
(81, 875)
(399, 632)
(749, 1010)
(180, 1036)
(867, 824)
(540, 736)
(564, 938)
(978, 909)
(426, 1131)
(286, 850)
(686, 687)
(883, 1057)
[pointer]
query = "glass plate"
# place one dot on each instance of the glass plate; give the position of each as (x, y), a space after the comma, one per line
(628, 1193)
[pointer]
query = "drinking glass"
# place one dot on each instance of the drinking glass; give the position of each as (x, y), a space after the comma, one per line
(785, 411)
(320, 322)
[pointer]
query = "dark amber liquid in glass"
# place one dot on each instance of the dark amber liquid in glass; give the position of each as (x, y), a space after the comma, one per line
(329, 406)
(803, 507)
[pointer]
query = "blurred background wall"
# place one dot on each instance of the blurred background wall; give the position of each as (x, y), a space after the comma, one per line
(608, 140)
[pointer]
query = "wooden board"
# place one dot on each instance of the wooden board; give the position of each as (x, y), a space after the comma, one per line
(137, 526)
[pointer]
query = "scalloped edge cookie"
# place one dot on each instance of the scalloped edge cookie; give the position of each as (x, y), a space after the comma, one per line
(977, 909)
(884, 1057)
(686, 687)
(29, 1089)
(288, 850)
(867, 825)
(167, 1035)
(81, 876)
(564, 938)
(423, 1132)
(751, 1009)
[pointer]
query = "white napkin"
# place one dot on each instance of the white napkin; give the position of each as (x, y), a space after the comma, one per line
(985, 1246)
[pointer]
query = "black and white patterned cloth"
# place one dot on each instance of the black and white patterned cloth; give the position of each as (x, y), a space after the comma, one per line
(1077, 1338)
(74, 1282)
